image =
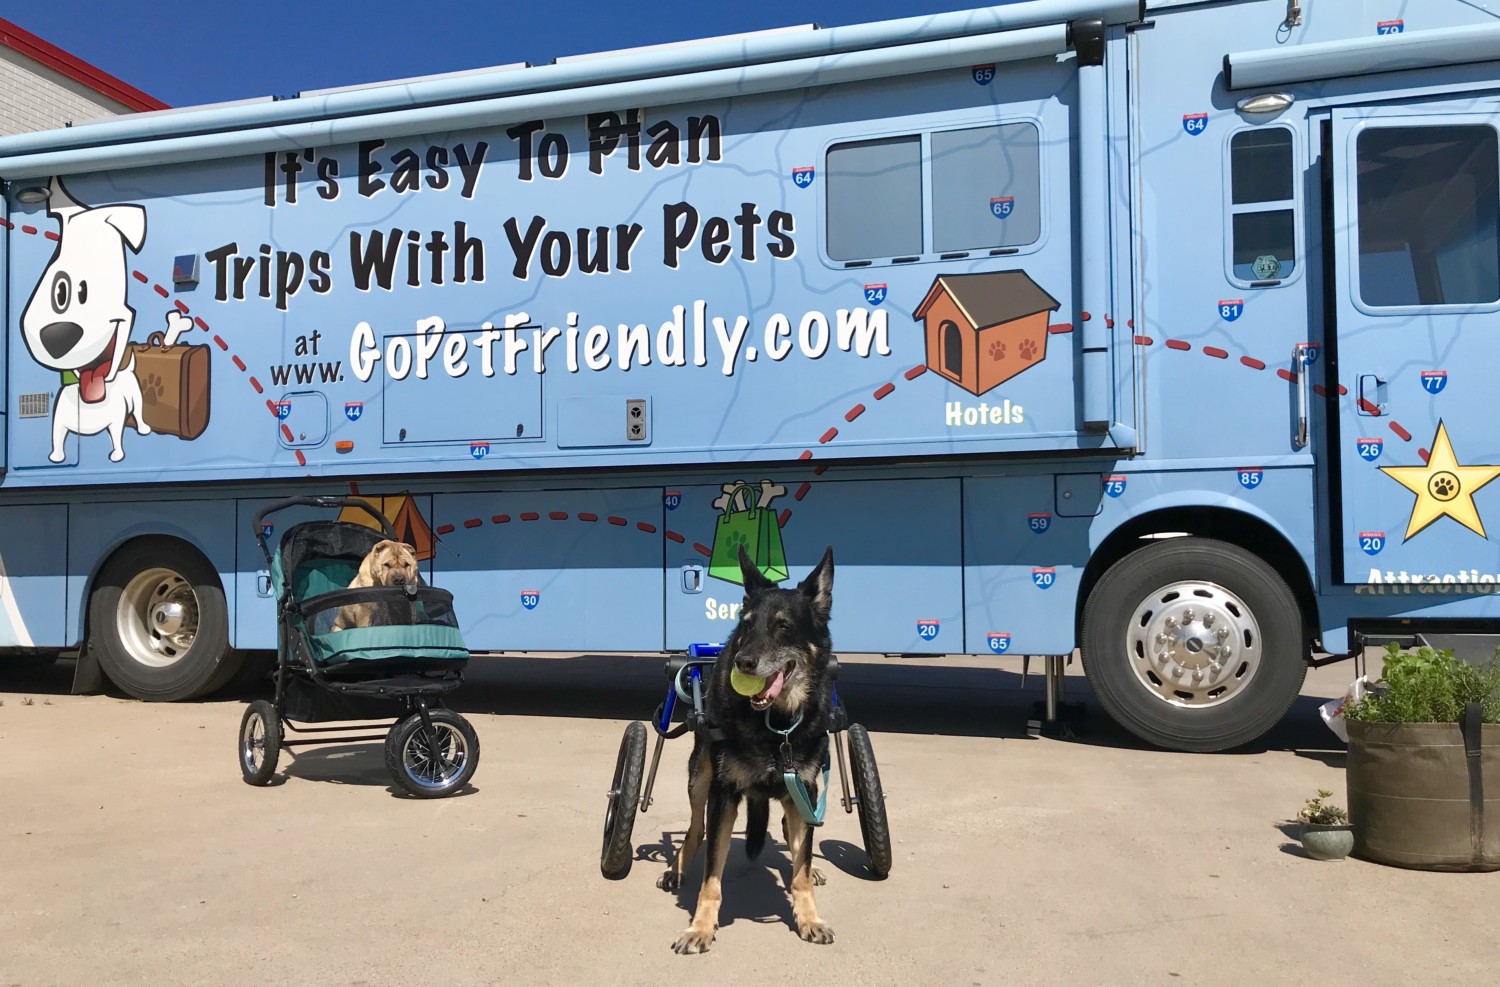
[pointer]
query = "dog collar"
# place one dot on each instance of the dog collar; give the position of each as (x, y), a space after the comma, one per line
(796, 722)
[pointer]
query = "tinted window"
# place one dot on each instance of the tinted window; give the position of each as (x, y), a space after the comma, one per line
(1263, 218)
(1427, 200)
(875, 199)
(986, 188)
(1261, 166)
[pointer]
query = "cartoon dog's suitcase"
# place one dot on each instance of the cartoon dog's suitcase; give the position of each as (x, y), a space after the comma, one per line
(174, 385)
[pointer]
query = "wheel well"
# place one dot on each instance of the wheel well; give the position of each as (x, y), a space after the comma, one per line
(1242, 530)
(129, 543)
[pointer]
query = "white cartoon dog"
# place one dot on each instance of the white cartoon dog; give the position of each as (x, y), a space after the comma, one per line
(78, 322)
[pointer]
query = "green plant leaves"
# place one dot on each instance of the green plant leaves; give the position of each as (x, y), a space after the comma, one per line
(1429, 686)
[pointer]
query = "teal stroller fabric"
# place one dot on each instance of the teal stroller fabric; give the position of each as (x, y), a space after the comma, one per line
(412, 628)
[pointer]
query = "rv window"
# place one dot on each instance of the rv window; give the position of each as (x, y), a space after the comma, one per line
(986, 188)
(875, 198)
(1429, 207)
(1262, 197)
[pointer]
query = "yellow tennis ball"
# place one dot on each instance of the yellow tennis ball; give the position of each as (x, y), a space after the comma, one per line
(746, 685)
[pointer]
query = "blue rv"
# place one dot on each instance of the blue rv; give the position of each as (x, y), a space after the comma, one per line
(1156, 330)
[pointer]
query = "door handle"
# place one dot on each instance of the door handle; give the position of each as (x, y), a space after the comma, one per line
(1302, 359)
(1371, 395)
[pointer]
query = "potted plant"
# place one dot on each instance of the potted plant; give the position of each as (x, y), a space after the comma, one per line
(1326, 834)
(1424, 759)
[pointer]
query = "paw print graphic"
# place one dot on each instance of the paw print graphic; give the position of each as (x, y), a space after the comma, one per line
(734, 540)
(152, 388)
(1027, 349)
(1443, 486)
(997, 350)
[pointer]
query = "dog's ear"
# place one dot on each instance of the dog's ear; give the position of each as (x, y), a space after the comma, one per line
(129, 222)
(755, 580)
(818, 586)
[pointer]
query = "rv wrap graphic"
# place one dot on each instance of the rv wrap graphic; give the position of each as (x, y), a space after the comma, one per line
(747, 520)
(1443, 487)
(78, 322)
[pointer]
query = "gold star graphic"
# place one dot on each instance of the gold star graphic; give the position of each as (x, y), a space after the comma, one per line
(1443, 487)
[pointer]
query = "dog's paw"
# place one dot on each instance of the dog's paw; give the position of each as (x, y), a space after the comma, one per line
(818, 932)
(693, 941)
(116, 455)
(669, 881)
(818, 878)
(56, 457)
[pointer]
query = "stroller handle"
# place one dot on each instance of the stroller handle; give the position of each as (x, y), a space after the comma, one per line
(327, 502)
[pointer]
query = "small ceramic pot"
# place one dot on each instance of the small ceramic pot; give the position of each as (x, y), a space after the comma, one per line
(1327, 842)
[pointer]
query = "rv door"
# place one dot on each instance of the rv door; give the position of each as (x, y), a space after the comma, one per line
(1416, 213)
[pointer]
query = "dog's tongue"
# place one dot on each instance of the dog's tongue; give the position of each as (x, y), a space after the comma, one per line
(91, 379)
(773, 688)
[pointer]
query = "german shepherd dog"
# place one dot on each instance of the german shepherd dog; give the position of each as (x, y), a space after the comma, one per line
(782, 637)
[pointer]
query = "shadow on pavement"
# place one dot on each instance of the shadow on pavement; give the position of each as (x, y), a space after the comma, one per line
(918, 696)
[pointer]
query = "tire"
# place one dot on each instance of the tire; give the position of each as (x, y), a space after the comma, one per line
(624, 797)
(158, 623)
(428, 769)
(260, 743)
(1194, 644)
(873, 826)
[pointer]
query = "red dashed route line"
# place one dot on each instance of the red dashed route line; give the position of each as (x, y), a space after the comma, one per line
(182, 307)
(1216, 353)
(879, 394)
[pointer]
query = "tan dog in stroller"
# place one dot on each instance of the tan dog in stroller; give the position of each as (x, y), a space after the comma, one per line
(389, 563)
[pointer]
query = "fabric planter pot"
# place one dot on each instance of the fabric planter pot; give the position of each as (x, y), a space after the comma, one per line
(1416, 800)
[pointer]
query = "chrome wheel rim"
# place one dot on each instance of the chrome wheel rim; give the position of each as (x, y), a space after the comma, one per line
(1194, 644)
(253, 742)
(157, 617)
(434, 758)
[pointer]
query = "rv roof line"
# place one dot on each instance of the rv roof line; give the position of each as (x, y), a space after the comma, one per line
(686, 43)
(567, 75)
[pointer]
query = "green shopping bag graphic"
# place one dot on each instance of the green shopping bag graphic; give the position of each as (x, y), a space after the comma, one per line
(748, 520)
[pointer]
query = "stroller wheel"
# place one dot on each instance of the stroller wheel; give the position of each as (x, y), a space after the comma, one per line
(432, 764)
(872, 822)
(260, 742)
(624, 797)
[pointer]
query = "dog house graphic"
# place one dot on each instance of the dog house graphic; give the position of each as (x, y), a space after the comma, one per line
(984, 329)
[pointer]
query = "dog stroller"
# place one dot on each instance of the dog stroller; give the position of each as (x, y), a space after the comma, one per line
(400, 657)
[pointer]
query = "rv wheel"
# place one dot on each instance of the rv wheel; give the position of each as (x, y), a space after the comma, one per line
(158, 622)
(1194, 644)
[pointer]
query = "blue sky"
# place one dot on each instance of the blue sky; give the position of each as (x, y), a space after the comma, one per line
(210, 50)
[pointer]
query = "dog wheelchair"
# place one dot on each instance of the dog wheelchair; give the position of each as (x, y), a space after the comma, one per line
(859, 779)
(408, 656)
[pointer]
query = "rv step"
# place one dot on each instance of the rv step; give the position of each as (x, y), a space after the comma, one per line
(1472, 648)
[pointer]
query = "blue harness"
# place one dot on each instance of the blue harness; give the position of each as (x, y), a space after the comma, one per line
(794, 785)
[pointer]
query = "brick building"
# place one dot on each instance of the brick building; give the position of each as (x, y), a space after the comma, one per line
(42, 86)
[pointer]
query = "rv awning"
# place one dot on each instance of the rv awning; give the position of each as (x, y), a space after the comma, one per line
(1361, 56)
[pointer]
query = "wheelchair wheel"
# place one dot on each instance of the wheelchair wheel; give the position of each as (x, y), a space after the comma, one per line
(624, 798)
(432, 763)
(871, 801)
(260, 742)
